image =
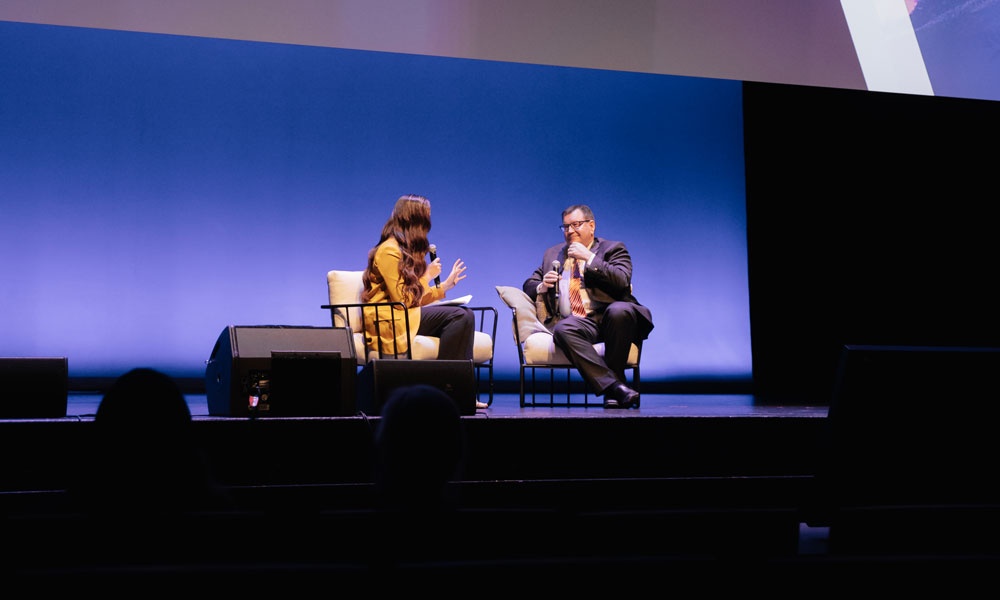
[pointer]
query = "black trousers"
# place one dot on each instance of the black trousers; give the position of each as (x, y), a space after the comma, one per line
(617, 327)
(455, 325)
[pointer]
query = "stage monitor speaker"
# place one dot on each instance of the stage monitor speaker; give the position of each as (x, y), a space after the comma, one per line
(303, 384)
(34, 388)
(379, 377)
(238, 375)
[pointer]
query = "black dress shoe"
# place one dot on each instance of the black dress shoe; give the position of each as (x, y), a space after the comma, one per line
(620, 396)
(625, 396)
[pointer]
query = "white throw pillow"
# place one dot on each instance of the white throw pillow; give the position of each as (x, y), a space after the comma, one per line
(527, 318)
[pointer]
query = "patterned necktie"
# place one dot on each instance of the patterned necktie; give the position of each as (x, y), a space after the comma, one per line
(575, 299)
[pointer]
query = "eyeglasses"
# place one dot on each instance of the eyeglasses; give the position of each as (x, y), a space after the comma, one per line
(575, 225)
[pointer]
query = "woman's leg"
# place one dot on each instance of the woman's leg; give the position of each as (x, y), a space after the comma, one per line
(454, 325)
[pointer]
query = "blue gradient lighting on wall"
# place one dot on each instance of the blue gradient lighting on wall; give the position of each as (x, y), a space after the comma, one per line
(158, 188)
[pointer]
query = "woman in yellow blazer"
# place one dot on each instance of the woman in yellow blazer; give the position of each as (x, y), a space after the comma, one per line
(397, 271)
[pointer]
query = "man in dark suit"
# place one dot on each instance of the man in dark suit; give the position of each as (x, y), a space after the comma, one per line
(593, 303)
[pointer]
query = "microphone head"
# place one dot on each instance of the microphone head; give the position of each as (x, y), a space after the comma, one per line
(555, 265)
(433, 248)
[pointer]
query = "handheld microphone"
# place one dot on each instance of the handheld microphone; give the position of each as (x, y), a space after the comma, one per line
(434, 255)
(555, 267)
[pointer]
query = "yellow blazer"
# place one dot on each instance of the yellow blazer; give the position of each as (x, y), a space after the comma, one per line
(387, 286)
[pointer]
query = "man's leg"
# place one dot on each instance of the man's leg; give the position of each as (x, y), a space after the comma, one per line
(576, 337)
(619, 330)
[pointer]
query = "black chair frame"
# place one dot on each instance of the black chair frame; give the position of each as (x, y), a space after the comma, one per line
(572, 377)
(486, 317)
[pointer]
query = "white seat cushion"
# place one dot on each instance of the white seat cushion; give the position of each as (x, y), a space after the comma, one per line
(540, 349)
(482, 347)
(345, 288)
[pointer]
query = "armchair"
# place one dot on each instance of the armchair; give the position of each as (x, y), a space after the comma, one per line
(345, 308)
(536, 349)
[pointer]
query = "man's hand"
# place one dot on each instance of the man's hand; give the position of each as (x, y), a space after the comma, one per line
(549, 281)
(579, 252)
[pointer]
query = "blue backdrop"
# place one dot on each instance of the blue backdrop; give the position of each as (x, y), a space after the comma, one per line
(156, 189)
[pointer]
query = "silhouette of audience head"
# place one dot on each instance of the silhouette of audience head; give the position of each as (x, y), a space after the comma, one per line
(144, 453)
(419, 449)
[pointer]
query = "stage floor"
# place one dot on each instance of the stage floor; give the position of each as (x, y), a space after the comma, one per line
(84, 405)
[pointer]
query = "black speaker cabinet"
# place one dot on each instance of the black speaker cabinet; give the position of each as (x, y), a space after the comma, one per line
(282, 371)
(914, 424)
(910, 463)
(34, 388)
(379, 377)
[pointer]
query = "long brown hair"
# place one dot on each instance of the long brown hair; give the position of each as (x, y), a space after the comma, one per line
(408, 224)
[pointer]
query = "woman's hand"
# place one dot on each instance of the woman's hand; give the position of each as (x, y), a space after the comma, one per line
(433, 269)
(457, 274)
